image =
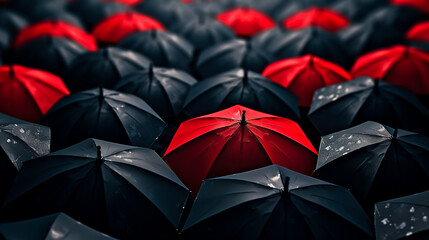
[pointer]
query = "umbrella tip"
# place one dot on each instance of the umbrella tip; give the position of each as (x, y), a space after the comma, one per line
(99, 157)
(286, 186)
(245, 75)
(243, 118)
(395, 134)
(11, 71)
(150, 71)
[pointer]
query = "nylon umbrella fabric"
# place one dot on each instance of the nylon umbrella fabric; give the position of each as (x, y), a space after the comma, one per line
(235, 140)
(124, 191)
(55, 28)
(50, 54)
(402, 218)
(419, 33)
(232, 54)
(50, 227)
(105, 114)
(318, 17)
(168, 13)
(12, 21)
(420, 5)
(164, 89)
(304, 75)
(28, 93)
(20, 141)
(114, 28)
(375, 162)
(356, 11)
(41, 15)
(165, 49)
(103, 68)
(399, 17)
(241, 87)
(364, 99)
(27, 7)
(266, 38)
(275, 202)
(399, 65)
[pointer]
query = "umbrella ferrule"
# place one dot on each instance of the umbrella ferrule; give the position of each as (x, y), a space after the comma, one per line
(286, 186)
(99, 157)
(243, 118)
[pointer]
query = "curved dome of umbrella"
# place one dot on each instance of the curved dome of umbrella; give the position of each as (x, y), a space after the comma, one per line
(27, 93)
(234, 140)
(304, 75)
(400, 17)
(125, 191)
(399, 65)
(105, 114)
(12, 21)
(61, 15)
(318, 17)
(354, 10)
(420, 5)
(168, 13)
(114, 28)
(419, 32)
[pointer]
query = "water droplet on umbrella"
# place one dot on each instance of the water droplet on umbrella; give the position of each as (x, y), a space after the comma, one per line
(350, 137)
(401, 226)
(385, 221)
(408, 234)
(320, 97)
(425, 218)
(359, 142)
(332, 136)
(412, 209)
(328, 148)
(341, 148)
(21, 130)
(387, 205)
(8, 140)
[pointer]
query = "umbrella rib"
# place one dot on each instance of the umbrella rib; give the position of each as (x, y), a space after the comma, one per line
(24, 87)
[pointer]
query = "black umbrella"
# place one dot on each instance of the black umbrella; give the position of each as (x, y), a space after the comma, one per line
(55, 226)
(4, 41)
(19, 141)
(375, 162)
(341, 106)
(242, 87)
(41, 15)
(275, 203)
(368, 36)
(356, 10)
(314, 41)
(124, 191)
(168, 12)
(11, 21)
(403, 218)
(103, 114)
(203, 32)
(287, 9)
(399, 17)
(266, 38)
(27, 7)
(48, 53)
(92, 12)
(232, 54)
(202, 8)
(103, 68)
(163, 89)
(165, 49)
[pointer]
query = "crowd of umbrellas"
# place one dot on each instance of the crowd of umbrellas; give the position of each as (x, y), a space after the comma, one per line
(214, 119)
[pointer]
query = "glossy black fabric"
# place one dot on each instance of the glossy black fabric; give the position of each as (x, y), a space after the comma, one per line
(266, 38)
(47, 53)
(125, 191)
(50, 227)
(165, 49)
(357, 10)
(168, 12)
(275, 203)
(27, 7)
(399, 17)
(12, 21)
(103, 68)
(5, 39)
(163, 89)
(203, 32)
(232, 54)
(375, 162)
(103, 114)
(56, 15)
(347, 104)
(242, 87)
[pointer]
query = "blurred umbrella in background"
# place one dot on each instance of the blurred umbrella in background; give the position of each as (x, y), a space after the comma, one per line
(399, 17)
(317, 17)
(168, 12)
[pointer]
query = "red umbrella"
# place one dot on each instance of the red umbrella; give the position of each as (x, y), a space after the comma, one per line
(421, 5)
(235, 140)
(116, 27)
(55, 28)
(319, 17)
(246, 22)
(27, 93)
(304, 75)
(125, 2)
(419, 32)
(404, 66)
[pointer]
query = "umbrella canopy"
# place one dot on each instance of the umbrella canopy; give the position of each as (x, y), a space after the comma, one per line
(266, 38)
(125, 2)
(4, 41)
(55, 28)
(41, 15)
(103, 114)
(275, 203)
(400, 65)
(103, 68)
(170, 12)
(12, 21)
(202, 8)
(235, 140)
(319, 17)
(375, 162)
(48, 53)
(354, 10)
(313, 41)
(420, 5)
(203, 32)
(124, 191)
(364, 99)
(94, 11)
(19, 141)
(402, 218)
(246, 22)
(55, 226)
(27, 7)
(232, 54)
(288, 9)
(163, 89)
(165, 49)
(364, 37)
(27, 93)
(241, 87)
(400, 17)
(304, 75)
(114, 28)
(419, 32)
